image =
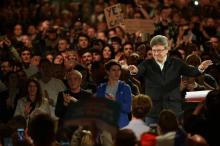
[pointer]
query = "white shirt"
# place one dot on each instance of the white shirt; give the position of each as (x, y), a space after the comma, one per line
(138, 127)
(161, 65)
(53, 87)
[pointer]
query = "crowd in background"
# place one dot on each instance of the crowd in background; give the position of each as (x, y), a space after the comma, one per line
(42, 41)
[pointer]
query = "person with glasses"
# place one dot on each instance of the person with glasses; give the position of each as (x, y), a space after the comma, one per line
(162, 76)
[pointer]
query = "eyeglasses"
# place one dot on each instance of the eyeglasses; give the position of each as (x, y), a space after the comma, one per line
(158, 51)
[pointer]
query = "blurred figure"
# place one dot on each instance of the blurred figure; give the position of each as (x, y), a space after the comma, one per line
(141, 105)
(125, 137)
(41, 129)
(204, 119)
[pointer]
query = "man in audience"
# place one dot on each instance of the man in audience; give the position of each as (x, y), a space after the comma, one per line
(141, 106)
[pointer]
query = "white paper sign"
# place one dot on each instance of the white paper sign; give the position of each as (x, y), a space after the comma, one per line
(196, 96)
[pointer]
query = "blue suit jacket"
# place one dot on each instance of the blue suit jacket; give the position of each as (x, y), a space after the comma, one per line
(123, 96)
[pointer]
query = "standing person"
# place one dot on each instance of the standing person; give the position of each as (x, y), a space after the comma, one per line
(141, 106)
(116, 90)
(74, 94)
(50, 86)
(162, 76)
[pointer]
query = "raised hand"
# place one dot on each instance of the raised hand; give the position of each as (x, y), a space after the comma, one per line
(205, 64)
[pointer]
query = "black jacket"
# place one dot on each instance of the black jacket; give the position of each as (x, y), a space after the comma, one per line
(164, 86)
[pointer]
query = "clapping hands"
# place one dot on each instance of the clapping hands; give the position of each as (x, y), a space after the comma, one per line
(68, 98)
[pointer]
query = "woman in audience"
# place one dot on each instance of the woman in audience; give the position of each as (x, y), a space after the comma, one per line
(107, 53)
(33, 102)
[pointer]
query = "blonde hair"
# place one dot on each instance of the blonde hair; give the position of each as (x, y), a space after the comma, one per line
(74, 72)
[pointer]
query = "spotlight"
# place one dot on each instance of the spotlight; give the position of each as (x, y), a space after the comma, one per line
(196, 2)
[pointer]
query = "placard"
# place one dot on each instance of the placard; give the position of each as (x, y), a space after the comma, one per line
(196, 96)
(114, 16)
(142, 25)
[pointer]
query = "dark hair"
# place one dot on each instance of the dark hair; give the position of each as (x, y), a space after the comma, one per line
(110, 63)
(42, 130)
(127, 43)
(167, 121)
(213, 103)
(39, 97)
(116, 39)
(82, 35)
(111, 49)
(25, 49)
(125, 137)
(193, 60)
(141, 106)
(44, 61)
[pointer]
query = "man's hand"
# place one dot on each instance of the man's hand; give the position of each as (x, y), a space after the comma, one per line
(205, 64)
(133, 69)
(67, 99)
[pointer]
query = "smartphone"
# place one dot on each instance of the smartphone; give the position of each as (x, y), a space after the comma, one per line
(20, 132)
(153, 128)
(64, 143)
(7, 141)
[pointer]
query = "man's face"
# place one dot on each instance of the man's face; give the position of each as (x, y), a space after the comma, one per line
(74, 81)
(18, 30)
(26, 41)
(114, 73)
(128, 50)
(91, 32)
(5, 67)
(83, 42)
(214, 42)
(96, 56)
(101, 36)
(159, 53)
(62, 45)
(26, 56)
(116, 46)
(87, 58)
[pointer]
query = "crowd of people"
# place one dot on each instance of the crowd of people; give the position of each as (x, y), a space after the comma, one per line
(57, 53)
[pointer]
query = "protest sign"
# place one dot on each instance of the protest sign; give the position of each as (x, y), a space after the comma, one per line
(141, 25)
(114, 16)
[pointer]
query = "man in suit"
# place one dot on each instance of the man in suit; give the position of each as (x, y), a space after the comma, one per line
(162, 76)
